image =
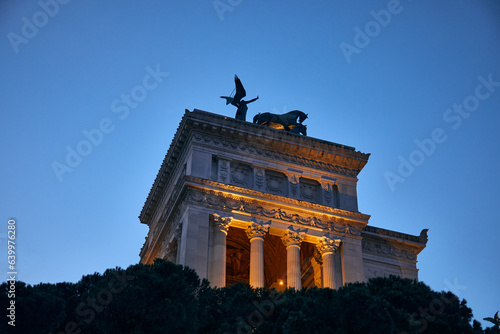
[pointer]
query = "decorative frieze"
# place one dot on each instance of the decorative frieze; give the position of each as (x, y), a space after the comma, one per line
(388, 250)
(380, 271)
(223, 202)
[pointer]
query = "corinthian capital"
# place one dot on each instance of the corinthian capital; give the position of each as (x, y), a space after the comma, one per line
(221, 223)
(327, 245)
(257, 230)
(292, 238)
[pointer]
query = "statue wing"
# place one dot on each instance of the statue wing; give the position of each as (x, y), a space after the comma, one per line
(240, 91)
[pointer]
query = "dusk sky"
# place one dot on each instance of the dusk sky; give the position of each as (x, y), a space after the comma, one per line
(414, 83)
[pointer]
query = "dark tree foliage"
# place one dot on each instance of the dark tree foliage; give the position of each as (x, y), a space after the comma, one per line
(168, 298)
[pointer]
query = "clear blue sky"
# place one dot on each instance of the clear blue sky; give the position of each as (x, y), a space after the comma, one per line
(367, 80)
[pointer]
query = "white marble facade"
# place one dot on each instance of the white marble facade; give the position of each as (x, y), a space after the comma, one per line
(237, 201)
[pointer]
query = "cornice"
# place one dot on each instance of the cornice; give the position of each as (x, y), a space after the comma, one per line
(388, 234)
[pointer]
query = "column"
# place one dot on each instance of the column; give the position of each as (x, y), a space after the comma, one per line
(292, 241)
(327, 248)
(218, 274)
(256, 233)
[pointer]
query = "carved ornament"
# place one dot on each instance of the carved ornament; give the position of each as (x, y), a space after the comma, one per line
(385, 249)
(327, 245)
(221, 223)
(273, 197)
(292, 238)
(257, 229)
(222, 202)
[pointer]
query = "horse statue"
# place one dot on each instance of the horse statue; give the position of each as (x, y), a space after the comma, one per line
(299, 129)
(285, 121)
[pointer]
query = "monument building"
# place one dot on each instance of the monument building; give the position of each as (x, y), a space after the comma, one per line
(243, 202)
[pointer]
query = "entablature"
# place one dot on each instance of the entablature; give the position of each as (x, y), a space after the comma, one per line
(282, 209)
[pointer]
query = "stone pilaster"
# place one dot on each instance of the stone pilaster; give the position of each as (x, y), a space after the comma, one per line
(327, 248)
(292, 241)
(260, 178)
(327, 193)
(352, 261)
(293, 186)
(330, 194)
(223, 171)
(256, 233)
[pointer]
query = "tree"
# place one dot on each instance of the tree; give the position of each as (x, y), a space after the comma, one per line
(168, 298)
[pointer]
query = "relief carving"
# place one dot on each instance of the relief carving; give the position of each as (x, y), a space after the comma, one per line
(257, 229)
(240, 174)
(327, 245)
(309, 190)
(223, 202)
(327, 193)
(292, 238)
(259, 178)
(372, 271)
(221, 223)
(275, 183)
(389, 250)
(223, 170)
(294, 182)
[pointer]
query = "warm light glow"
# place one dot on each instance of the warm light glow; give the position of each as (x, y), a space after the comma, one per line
(280, 282)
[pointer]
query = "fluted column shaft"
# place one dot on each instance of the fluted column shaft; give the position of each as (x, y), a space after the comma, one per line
(257, 262)
(328, 271)
(292, 241)
(293, 274)
(327, 248)
(256, 233)
(221, 226)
